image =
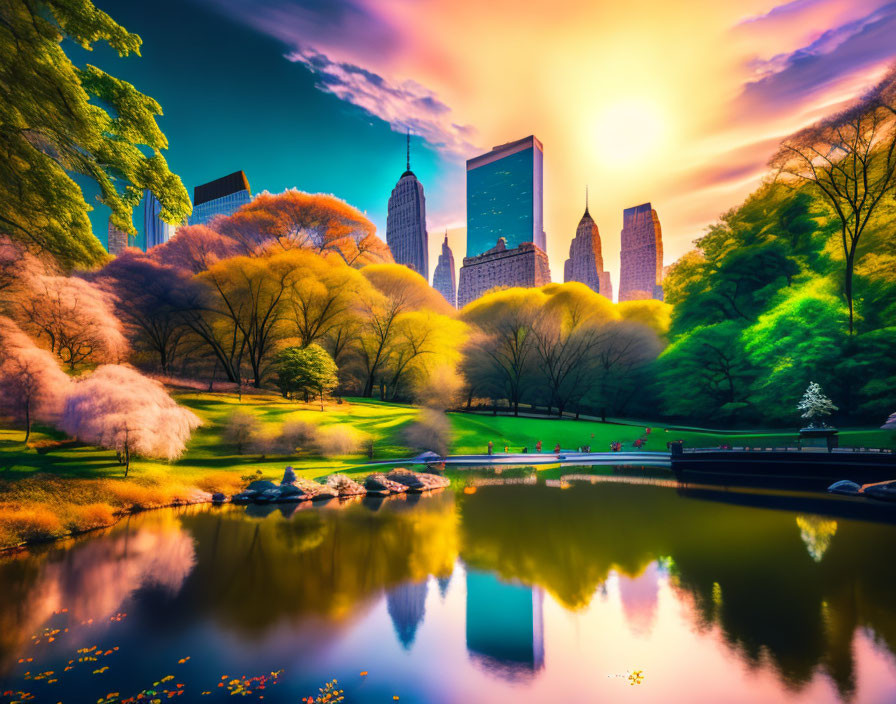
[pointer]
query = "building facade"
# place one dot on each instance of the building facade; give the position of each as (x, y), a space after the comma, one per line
(118, 240)
(406, 222)
(641, 256)
(223, 196)
(443, 279)
(525, 266)
(586, 261)
(505, 189)
(157, 230)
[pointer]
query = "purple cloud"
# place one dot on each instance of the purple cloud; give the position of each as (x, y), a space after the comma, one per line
(788, 80)
(404, 105)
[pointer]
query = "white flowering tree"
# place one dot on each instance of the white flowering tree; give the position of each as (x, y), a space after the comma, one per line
(890, 424)
(815, 405)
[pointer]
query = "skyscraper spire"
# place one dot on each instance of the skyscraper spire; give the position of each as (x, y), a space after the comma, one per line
(409, 149)
(586, 199)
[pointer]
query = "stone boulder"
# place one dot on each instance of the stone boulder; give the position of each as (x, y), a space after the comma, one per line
(417, 481)
(289, 476)
(261, 485)
(315, 491)
(244, 497)
(885, 491)
(378, 484)
(218, 498)
(845, 487)
(345, 486)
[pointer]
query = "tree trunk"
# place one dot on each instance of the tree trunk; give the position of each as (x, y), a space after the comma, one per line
(127, 460)
(27, 422)
(321, 399)
(847, 286)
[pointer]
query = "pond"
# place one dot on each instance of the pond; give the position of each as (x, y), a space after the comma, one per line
(531, 591)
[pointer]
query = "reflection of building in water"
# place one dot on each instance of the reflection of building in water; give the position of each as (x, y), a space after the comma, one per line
(407, 606)
(639, 596)
(444, 582)
(816, 533)
(505, 631)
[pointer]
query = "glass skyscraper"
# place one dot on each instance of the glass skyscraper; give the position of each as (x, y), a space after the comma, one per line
(157, 231)
(504, 196)
(223, 196)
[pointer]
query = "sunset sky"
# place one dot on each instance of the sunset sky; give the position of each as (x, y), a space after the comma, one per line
(676, 103)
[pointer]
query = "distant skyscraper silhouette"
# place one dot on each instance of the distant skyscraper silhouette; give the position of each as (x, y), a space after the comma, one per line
(223, 196)
(407, 606)
(443, 279)
(586, 261)
(157, 230)
(118, 240)
(641, 265)
(505, 196)
(406, 221)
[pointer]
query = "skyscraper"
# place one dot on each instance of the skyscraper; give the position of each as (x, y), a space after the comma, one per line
(641, 266)
(586, 261)
(157, 230)
(504, 196)
(499, 267)
(406, 222)
(443, 279)
(118, 240)
(223, 196)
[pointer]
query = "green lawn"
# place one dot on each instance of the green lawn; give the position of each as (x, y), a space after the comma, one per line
(69, 487)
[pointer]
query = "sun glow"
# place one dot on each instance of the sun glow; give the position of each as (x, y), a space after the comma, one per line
(628, 131)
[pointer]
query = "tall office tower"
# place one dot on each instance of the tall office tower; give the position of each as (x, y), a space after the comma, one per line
(406, 222)
(499, 267)
(443, 279)
(505, 625)
(223, 196)
(504, 196)
(641, 267)
(157, 230)
(586, 261)
(118, 240)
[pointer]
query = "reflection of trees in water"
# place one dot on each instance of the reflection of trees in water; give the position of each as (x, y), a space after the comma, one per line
(816, 533)
(772, 598)
(321, 562)
(93, 578)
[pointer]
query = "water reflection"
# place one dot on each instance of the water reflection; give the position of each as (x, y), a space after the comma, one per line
(505, 627)
(549, 592)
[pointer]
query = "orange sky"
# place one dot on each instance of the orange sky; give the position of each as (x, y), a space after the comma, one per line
(676, 103)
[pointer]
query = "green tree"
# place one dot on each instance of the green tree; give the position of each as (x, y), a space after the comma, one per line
(50, 128)
(309, 371)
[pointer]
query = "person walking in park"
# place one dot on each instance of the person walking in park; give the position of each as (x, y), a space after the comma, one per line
(491, 447)
(557, 449)
(538, 446)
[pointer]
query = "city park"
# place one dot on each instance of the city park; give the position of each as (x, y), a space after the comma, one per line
(283, 341)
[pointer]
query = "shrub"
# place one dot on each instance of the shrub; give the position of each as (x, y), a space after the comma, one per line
(241, 429)
(337, 440)
(442, 388)
(225, 482)
(19, 526)
(90, 517)
(431, 431)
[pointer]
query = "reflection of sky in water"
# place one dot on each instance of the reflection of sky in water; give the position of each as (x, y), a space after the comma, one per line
(329, 593)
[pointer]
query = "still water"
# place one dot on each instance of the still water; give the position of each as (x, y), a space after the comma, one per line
(515, 593)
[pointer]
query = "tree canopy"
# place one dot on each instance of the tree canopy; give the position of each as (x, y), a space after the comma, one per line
(58, 119)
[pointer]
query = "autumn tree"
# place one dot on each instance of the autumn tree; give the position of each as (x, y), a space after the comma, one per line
(248, 300)
(309, 371)
(502, 353)
(850, 160)
(32, 386)
(73, 318)
(313, 221)
(58, 119)
(194, 248)
(118, 408)
(147, 301)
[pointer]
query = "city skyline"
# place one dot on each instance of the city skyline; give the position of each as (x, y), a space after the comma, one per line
(336, 102)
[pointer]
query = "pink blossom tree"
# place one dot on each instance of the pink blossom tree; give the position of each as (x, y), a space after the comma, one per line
(117, 407)
(32, 386)
(73, 318)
